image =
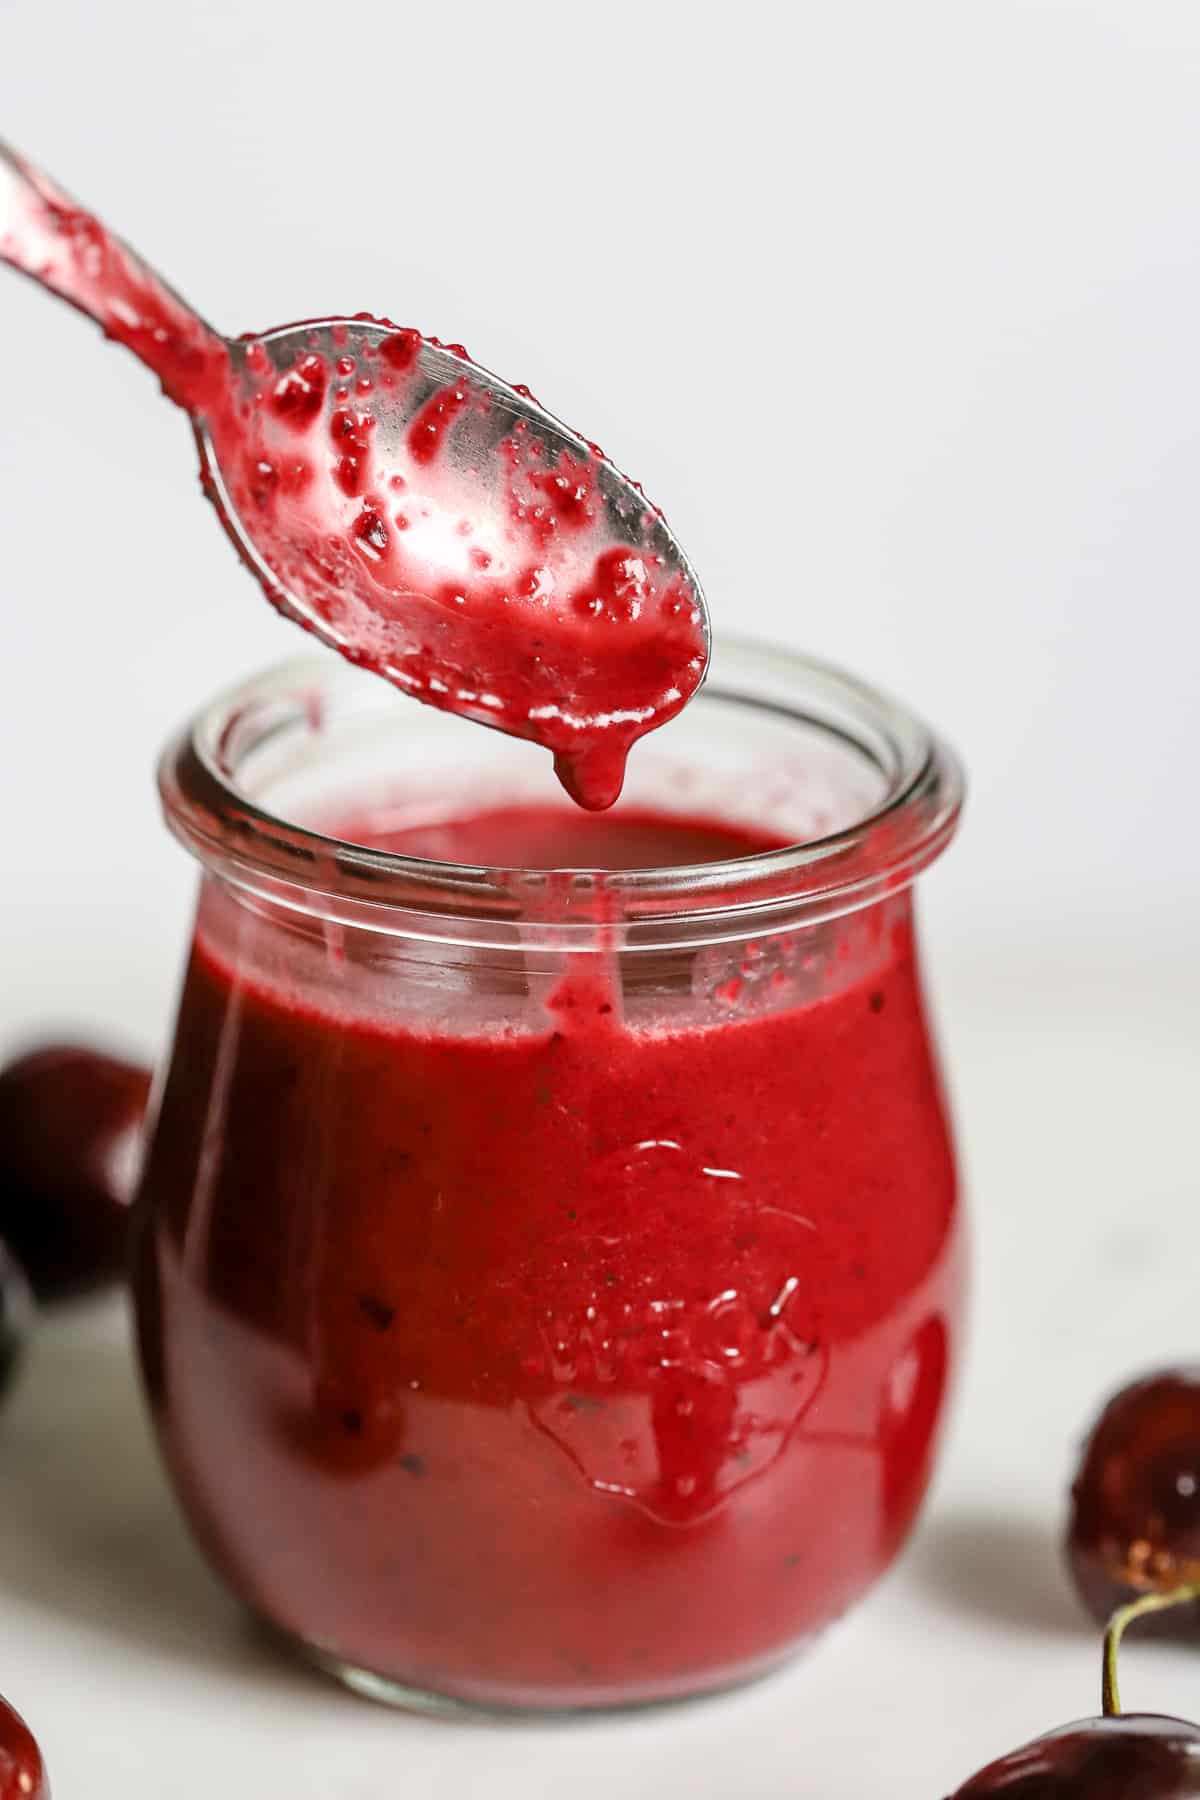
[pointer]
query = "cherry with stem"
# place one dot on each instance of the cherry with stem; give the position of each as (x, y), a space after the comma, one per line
(1116, 1756)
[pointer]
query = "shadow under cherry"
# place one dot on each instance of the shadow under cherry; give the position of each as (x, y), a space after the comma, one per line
(1007, 1568)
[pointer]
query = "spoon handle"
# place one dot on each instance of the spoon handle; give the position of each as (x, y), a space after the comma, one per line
(66, 250)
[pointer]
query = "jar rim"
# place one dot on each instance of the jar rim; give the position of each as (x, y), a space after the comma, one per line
(239, 838)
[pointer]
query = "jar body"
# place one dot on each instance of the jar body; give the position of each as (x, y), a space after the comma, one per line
(549, 1332)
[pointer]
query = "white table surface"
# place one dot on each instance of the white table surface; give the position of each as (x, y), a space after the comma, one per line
(1075, 1075)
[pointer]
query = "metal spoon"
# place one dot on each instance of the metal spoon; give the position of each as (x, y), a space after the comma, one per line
(378, 548)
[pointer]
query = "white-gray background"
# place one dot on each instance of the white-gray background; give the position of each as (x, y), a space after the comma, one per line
(895, 309)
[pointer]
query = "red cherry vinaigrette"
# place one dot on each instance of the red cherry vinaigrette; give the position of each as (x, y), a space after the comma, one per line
(550, 1267)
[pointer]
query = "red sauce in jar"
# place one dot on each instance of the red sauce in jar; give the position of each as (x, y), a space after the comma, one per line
(584, 1360)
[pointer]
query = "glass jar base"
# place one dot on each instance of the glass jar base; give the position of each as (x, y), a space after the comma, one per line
(435, 1702)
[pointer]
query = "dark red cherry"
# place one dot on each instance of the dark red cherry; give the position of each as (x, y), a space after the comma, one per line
(1135, 1504)
(1136, 1756)
(22, 1776)
(70, 1130)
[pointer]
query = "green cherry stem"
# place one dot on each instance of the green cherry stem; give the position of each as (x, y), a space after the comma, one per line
(1124, 1617)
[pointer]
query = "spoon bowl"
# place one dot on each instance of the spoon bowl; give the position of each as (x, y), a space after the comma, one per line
(365, 385)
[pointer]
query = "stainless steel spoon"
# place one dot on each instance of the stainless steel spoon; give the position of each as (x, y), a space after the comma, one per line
(229, 387)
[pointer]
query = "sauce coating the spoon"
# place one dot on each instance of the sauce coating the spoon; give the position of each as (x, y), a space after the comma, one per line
(388, 497)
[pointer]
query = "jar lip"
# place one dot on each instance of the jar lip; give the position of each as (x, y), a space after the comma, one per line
(238, 837)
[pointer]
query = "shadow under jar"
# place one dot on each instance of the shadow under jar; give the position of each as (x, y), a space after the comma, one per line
(548, 1279)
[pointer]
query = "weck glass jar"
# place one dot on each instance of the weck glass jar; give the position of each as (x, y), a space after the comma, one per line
(549, 1277)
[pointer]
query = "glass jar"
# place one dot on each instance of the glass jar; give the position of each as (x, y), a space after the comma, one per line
(548, 1280)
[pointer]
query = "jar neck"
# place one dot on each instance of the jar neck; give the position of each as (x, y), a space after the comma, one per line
(866, 790)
